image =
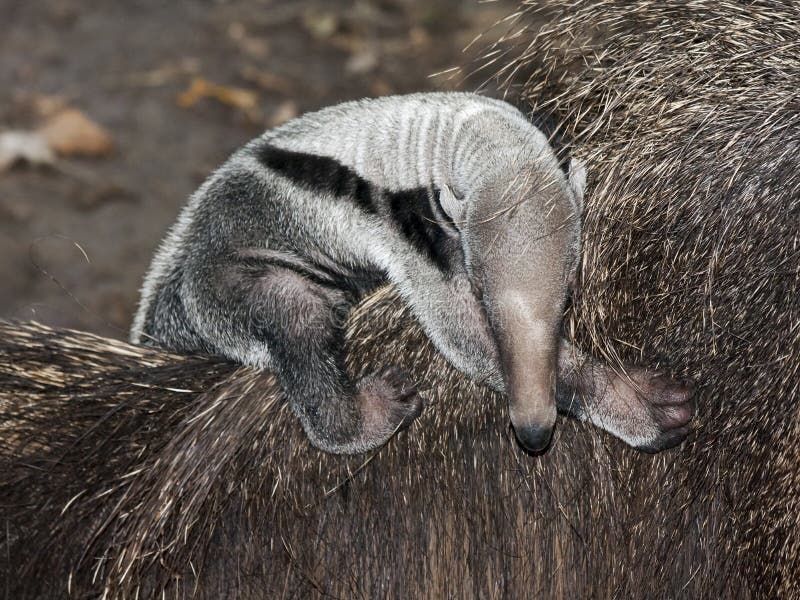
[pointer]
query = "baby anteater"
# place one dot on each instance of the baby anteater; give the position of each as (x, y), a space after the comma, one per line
(455, 199)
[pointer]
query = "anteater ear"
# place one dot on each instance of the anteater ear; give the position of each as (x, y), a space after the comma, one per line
(577, 181)
(453, 205)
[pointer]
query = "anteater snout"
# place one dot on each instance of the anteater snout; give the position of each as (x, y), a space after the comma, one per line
(534, 438)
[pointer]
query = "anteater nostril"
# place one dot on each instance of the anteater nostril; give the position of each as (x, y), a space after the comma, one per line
(534, 438)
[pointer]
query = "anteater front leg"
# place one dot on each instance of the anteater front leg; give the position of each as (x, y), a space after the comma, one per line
(646, 409)
(281, 319)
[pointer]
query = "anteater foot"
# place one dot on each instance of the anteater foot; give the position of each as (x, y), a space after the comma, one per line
(671, 409)
(389, 403)
(649, 411)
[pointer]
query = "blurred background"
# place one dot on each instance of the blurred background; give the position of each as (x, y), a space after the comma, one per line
(112, 113)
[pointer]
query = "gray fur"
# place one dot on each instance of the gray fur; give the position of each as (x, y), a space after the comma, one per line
(455, 199)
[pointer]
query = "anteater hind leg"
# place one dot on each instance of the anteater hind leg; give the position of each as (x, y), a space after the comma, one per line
(283, 320)
(648, 410)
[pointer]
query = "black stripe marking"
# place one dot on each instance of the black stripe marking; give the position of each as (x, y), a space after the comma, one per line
(319, 173)
(411, 210)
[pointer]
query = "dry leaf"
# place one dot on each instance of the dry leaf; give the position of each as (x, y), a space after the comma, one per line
(46, 105)
(240, 98)
(166, 73)
(254, 47)
(267, 81)
(29, 146)
(71, 133)
(286, 111)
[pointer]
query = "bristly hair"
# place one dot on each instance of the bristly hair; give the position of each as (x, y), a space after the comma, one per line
(556, 133)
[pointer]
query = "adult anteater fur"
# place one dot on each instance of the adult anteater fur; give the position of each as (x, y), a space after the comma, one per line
(135, 471)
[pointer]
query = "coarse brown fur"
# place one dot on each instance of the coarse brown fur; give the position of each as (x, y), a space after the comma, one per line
(219, 494)
(126, 470)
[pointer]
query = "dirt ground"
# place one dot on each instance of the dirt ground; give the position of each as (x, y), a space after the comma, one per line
(76, 237)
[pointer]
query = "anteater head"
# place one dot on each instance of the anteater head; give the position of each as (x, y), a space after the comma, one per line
(521, 241)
